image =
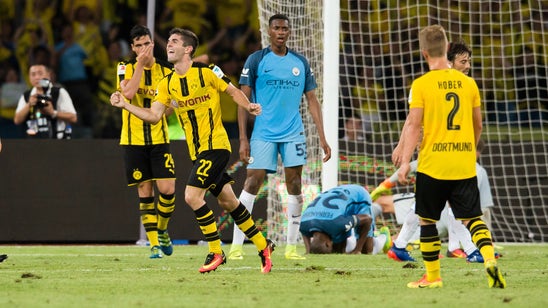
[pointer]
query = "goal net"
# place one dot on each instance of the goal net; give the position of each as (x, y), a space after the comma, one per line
(306, 39)
(378, 59)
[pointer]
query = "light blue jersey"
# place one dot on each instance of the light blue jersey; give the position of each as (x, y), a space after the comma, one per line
(278, 84)
(332, 212)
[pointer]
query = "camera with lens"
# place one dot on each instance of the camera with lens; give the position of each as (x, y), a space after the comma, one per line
(45, 84)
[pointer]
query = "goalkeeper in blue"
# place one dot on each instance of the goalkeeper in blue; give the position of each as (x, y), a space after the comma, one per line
(341, 220)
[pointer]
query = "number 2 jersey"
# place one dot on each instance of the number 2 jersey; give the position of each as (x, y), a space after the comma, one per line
(448, 148)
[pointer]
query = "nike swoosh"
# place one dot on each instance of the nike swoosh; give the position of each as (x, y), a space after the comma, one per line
(266, 71)
(295, 216)
(213, 264)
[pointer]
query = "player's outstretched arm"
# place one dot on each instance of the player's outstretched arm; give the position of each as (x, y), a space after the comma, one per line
(151, 115)
(241, 99)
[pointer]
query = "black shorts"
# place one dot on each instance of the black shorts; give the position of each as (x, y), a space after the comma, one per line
(148, 162)
(432, 194)
(209, 171)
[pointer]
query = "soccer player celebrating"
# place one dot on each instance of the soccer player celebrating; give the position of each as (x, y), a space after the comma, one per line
(446, 105)
(192, 90)
(147, 152)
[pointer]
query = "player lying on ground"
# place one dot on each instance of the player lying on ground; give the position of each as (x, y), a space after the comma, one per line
(328, 223)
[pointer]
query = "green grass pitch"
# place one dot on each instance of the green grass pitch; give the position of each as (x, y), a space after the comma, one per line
(124, 276)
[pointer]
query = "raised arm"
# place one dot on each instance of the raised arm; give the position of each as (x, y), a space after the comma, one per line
(130, 86)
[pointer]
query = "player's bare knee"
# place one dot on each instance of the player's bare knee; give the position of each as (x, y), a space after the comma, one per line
(228, 205)
(294, 188)
(252, 185)
(193, 200)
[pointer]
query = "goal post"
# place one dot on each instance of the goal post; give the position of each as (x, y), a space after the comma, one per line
(330, 84)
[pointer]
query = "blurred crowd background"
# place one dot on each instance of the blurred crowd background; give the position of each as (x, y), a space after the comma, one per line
(83, 40)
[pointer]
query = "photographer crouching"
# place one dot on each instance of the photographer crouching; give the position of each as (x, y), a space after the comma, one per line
(46, 109)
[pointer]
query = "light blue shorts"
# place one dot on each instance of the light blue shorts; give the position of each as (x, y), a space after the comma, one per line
(265, 154)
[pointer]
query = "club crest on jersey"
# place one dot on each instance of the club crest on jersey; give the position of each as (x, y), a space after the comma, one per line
(137, 175)
(296, 71)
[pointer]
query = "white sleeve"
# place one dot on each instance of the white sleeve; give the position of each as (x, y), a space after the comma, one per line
(413, 169)
(21, 103)
(486, 198)
(413, 166)
(64, 102)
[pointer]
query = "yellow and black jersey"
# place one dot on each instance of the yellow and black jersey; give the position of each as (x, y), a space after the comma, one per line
(194, 97)
(134, 130)
(448, 148)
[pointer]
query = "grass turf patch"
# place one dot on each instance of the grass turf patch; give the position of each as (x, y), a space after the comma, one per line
(124, 276)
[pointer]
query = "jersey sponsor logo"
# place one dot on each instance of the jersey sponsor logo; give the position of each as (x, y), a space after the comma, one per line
(146, 91)
(282, 83)
(245, 72)
(296, 71)
(194, 101)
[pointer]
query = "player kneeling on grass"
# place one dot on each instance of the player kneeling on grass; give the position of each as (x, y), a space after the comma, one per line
(329, 223)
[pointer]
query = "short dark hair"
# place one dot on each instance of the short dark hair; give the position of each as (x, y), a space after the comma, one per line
(320, 243)
(457, 48)
(189, 38)
(277, 16)
(138, 31)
